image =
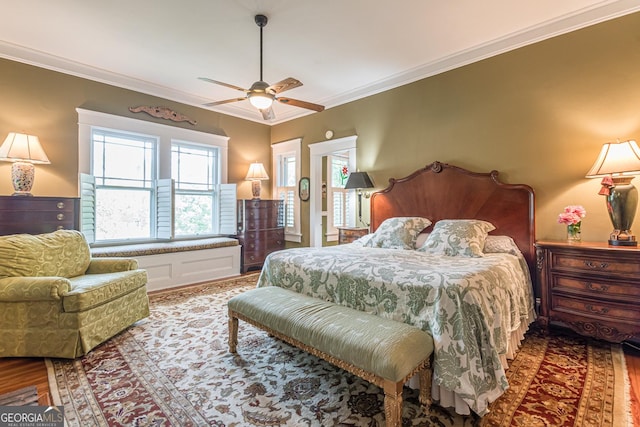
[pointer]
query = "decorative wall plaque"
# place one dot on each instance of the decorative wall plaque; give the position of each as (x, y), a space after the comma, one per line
(162, 113)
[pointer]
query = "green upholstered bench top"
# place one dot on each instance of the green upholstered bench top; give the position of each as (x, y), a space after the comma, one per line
(384, 347)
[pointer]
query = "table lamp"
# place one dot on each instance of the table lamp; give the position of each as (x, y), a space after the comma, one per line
(23, 150)
(617, 164)
(256, 174)
(358, 181)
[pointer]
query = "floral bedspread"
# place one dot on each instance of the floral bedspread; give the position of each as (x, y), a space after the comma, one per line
(469, 305)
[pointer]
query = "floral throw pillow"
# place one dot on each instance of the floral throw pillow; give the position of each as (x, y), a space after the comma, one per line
(500, 245)
(398, 233)
(458, 237)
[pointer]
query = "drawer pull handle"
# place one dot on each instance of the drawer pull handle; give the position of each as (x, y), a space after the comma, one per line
(60, 217)
(599, 288)
(60, 227)
(594, 265)
(603, 310)
(60, 205)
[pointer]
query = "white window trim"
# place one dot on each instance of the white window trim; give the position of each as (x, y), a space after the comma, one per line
(293, 146)
(166, 135)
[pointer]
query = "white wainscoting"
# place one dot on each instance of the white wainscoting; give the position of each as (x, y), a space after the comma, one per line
(172, 269)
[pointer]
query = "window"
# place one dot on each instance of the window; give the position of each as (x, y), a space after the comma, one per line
(123, 167)
(341, 212)
(142, 181)
(194, 172)
(286, 162)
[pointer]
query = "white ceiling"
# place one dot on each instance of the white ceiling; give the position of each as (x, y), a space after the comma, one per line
(342, 50)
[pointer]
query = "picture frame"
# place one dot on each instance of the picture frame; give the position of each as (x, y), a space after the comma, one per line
(303, 189)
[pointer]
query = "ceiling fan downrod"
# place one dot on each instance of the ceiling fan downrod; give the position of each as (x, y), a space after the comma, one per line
(261, 20)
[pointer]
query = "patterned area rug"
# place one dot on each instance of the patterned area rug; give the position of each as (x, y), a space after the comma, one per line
(174, 369)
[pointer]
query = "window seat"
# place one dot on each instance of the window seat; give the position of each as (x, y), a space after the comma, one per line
(180, 262)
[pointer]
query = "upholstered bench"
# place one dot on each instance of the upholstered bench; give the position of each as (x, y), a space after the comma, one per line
(382, 351)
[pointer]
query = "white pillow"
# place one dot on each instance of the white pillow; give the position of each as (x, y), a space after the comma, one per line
(458, 237)
(398, 233)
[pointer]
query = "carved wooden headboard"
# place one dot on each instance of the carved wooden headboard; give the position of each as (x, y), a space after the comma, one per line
(441, 191)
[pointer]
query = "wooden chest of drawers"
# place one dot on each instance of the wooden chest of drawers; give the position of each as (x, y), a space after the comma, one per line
(260, 230)
(591, 288)
(35, 215)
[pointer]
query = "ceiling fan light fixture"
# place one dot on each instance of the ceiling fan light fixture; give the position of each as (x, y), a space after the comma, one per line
(261, 101)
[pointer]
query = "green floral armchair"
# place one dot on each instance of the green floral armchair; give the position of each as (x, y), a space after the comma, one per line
(57, 301)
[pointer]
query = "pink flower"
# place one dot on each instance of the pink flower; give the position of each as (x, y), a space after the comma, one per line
(572, 214)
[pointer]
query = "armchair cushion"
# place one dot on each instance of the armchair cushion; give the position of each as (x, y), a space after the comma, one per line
(63, 253)
(92, 290)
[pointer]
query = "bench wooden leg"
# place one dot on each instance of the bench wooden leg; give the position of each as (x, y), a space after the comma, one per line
(393, 403)
(233, 332)
(424, 378)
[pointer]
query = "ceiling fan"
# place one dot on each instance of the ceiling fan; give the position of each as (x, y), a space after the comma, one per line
(261, 95)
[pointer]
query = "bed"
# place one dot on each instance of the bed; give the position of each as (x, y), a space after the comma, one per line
(451, 252)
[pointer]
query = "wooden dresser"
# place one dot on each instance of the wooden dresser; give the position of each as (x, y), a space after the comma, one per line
(260, 230)
(35, 215)
(592, 288)
(349, 234)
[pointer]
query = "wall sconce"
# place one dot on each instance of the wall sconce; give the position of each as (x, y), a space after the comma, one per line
(23, 150)
(358, 180)
(617, 164)
(255, 175)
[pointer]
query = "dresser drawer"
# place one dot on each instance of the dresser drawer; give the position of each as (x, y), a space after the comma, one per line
(264, 239)
(596, 308)
(594, 264)
(35, 215)
(594, 288)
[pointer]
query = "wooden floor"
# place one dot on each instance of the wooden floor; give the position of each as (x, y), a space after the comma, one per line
(16, 373)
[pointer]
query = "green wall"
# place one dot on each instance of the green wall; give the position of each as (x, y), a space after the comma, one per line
(539, 115)
(43, 103)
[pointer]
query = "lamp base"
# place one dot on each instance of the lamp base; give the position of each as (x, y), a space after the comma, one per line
(255, 189)
(622, 238)
(621, 205)
(622, 243)
(22, 175)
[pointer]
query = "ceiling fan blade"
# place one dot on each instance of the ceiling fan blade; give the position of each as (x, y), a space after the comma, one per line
(226, 101)
(286, 84)
(222, 84)
(268, 114)
(303, 104)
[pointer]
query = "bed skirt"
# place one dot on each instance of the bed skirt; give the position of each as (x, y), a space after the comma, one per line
(448, 399)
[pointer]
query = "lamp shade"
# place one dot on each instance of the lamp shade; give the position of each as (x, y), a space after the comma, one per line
(20, 147)
(257, 172)
(616, 158)
(358, 180)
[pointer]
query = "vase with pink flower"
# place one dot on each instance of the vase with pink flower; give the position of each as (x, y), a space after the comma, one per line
(572, 218)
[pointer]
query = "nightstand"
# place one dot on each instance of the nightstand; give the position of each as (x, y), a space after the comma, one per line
(349, 234)
(592, 288)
